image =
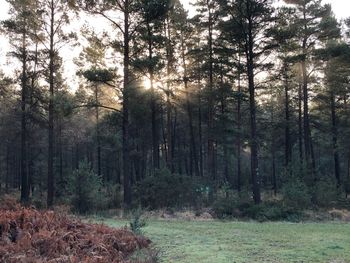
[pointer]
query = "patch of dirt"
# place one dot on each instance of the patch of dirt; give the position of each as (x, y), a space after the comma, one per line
(342, 215)
(28, 235)
(187, 215)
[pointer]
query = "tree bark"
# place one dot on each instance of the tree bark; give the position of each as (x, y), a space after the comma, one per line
(23, 169)
(168, 100)
(252, 107)
(50, 174)
(300, 125)
(335, 140)
(189, 110)
(211, 156)
(126, 155)
(239, 131)
(288, 147)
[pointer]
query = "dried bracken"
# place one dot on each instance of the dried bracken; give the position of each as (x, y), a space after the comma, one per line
(28, 235)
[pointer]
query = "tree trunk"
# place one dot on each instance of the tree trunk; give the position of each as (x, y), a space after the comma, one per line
(200, 135)
(126, 157)
(189, 111)
(300, 125)
(50, 174)
(252, 108)
(155, 135)
(7, 178)
(273, 154)
(23, 169)
(335, 140)
(211, 156)
(288, 148)
(239, 131)
(309, 155)
(97, 112)
(168, 101)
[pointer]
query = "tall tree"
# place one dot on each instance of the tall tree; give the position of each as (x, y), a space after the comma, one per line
(248, 22)
(54, 17)
(153, 15)
(20, 30)
(308, 20)
(207, 16)
(127, 26)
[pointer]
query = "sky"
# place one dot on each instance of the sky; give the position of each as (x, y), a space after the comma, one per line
(341, 9)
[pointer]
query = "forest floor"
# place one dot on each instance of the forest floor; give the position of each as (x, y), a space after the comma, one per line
(219, 241)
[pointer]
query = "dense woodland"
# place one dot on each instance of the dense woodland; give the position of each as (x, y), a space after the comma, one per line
(245, 98)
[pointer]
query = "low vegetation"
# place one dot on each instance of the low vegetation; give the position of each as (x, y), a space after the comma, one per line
(31, 236)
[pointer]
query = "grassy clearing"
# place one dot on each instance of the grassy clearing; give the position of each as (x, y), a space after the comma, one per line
(215, 241)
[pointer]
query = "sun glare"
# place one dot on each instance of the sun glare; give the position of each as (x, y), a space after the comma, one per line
(146, 83)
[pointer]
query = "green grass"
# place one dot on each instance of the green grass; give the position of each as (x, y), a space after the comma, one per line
(215, 241)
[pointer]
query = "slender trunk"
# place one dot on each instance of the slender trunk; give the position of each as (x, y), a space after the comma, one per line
(60, 152)
(252, 106)
(7, 178)
(174, 135)
(288, 148)
(126, 157)
(300, 125)
(273, 153)
(97, 112)
(155, 137)
(50, 174)
(274, 179)
(348, 170)
(168, 101)
(211, 157)
(226, 153)
(309, 155)
(335, 140)
(239, 130)
(200, 135)
(224, 134)
(23, 169)
(193, 150)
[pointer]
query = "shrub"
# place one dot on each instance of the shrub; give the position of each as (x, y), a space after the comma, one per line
(268, 211)
(226, 207)
(137, 222)
(296, 194)
(325, 192)
(272, 211)
(86, 189)
(165, 190)
(110, 197)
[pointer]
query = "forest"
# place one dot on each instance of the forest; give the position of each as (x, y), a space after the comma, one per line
(243, 98)
(230, 109)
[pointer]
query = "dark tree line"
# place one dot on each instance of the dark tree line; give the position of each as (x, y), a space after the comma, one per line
(242, 95)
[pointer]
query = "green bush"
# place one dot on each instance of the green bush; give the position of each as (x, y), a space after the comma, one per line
(325, 192)
(86, 186)
(272, 211)
(110, 197)
(296, 194)
(242, 208)
(165, 190)
(226, 207)
(137, 222)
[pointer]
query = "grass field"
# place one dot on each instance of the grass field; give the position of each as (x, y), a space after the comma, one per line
(215, 241)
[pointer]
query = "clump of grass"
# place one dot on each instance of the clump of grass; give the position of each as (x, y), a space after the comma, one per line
(137, 222)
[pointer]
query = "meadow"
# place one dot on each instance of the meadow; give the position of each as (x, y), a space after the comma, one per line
(221, 241)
